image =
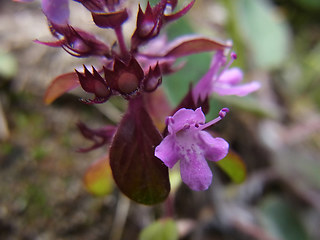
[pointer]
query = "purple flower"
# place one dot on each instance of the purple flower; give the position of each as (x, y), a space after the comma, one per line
(191, 145)
(56, 11)
(223, 81)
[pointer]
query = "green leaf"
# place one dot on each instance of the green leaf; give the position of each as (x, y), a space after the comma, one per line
(282, 220)
(234, 167)
(265, 33)
(138, 173)
(164, 229)
(98, 178)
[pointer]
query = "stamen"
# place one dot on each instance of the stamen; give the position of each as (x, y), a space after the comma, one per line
(233, 56)
(223, 112)
(169, 120)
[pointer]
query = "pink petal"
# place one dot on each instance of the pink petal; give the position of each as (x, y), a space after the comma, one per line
(231, 76)
(205, 85)
(166, 151)
(240, 90)
(196, 173)
(57, 11)
(183, 117)
(215, 148)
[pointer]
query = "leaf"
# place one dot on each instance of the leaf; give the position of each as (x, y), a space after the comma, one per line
(282, 220)
(61, 85)
(164, 229)
(138, 173)
(98, 178)
(266, 34)
(158, 108)
(188, 45)
(233, 166)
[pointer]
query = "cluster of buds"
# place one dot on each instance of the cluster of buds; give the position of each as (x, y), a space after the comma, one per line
(139, 154)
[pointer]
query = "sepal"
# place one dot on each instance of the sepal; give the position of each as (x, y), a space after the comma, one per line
(99, 137)
(94, 83)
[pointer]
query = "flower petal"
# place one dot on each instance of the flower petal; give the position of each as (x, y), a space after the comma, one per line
(231, 76)
(240, 90)
(215, 149)
(166, 151)
(196, 173)
(184, 117)
(56, 11)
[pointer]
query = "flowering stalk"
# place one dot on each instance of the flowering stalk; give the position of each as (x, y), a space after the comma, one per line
(139, 154)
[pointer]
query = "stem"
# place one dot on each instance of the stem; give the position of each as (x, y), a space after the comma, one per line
(122, 44)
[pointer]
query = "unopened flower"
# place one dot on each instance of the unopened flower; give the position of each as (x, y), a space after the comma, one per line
(150, 22)
(188, 142)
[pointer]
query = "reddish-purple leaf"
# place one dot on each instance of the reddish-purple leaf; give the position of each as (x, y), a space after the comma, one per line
(61, 85)
(158, 107)
(138, 173)
(110, 20)
(190, 45)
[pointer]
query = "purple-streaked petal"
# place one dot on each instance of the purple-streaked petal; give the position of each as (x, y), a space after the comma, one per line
(196, 173)
(231, 76)
(239, 90)
(184, 117)
(166, 151)
(215, 149)
(57, 11)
